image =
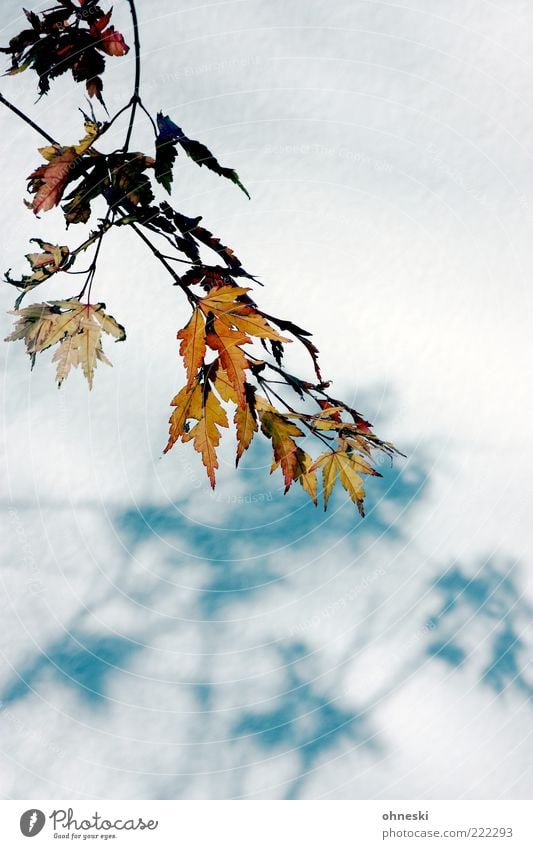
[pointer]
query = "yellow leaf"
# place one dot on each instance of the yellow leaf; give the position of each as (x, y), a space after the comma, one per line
(188, 404)
(327, 462)
(224, 305)
(261, 404)
(192, 347)
(349, 468)
(223, 386)
(218, 299)
(91, 130)
(206, 433)
(351, 480)
(305, 474)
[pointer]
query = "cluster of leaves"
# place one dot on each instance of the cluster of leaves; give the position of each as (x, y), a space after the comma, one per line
(67, 37)
(233, 352)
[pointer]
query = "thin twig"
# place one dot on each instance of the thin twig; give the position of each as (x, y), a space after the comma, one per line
(157, 253)
(137, 83)
(28, 120)
(145, 110)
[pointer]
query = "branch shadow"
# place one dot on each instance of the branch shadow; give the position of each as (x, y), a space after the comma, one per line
(303, 713)
(489, 593)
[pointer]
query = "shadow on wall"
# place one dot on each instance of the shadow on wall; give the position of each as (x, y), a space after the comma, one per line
(479, 619)
(489, 595)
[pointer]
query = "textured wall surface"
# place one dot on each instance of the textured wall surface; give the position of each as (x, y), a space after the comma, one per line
(162, 641)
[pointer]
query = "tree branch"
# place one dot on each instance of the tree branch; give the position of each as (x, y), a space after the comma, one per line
(136, 86)
(161, 257)
(28, 121)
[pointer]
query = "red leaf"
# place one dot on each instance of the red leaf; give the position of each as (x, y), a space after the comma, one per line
(112, 43)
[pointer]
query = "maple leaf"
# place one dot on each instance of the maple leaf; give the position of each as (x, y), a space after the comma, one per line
(222, 383)
(62, 39)
(51, 257)
(193, 233)
(48, 182)
(50, 260)
(281, 431)
(188, 405)
(34, 325)
(112, 43)
(193, 345)
(224, 304)
(81, 348)
(226, 342)
(245, 420)
(77, 327)
(306, 474)
(130, 183)
(349, 468)
(165, 156)
(170, 132)
(206, 433)
(94, 183)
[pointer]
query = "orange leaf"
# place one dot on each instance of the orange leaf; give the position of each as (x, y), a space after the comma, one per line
(280, 430)
(188, 404)
(49, 181)
(245, 422)
(206, 433)
(192, 347)
(224, 305)
(232, 359)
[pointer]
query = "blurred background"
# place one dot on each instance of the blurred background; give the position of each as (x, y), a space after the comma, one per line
(163, 641)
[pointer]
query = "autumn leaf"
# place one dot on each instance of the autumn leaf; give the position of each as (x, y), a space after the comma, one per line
(222, 383)
(48, 182)
(206, 434)
(223, 376)
(226, 342)
(112, 43)
(306, 474)
(34, 326)
(281, 431)
(169, 131)
(62, 39)
(193, 345)
(165, 156)
(224, 304)
(188, 405)
(245, 420)
(50, 256)
(349, 468)
(50, 260)
(75, 326)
